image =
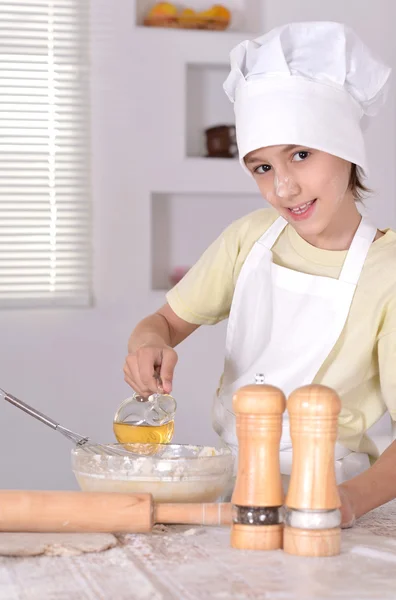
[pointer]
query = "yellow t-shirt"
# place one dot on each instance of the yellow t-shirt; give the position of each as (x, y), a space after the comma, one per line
(362, 365)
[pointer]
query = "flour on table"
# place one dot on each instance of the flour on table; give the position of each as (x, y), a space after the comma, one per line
(191, 532)
(54, 544)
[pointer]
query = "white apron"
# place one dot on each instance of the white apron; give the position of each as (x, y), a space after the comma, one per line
(283, 324)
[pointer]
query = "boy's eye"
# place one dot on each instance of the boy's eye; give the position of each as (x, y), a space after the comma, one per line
(262, 169)
(302, 155)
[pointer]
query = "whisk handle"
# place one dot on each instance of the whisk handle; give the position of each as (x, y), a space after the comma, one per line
(30, 410)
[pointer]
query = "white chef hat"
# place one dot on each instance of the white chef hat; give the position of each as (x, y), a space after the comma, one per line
(307, 84)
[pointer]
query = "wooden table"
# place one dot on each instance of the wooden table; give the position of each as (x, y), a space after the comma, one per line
(184, 563)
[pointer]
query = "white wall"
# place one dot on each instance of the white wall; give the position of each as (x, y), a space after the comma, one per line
(69, 362)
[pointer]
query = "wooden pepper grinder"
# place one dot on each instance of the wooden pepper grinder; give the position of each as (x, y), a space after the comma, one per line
(312, 516)
(258, 494)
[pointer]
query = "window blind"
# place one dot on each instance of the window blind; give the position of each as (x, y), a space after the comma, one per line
(45, 216)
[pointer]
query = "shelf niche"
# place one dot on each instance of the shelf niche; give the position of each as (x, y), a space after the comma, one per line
(247, 15)
(183, 225)
(206, 105)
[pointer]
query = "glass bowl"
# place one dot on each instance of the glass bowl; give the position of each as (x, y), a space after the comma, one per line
(170, 472)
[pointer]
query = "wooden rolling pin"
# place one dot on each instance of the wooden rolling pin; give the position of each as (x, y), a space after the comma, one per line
(28, 511)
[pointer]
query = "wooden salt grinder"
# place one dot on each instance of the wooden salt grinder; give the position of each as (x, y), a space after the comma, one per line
(258, 492)
(313, 519)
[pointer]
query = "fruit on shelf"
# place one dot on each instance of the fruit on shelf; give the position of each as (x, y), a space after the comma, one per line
(188, 19)
(162, 14)
(166, 14)
(216, 17)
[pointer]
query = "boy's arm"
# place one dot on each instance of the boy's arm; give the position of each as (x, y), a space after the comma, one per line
(370, 489)
(150, 350)
(163, 327)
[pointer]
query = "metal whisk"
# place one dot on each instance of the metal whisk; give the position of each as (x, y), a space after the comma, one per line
(80, 440)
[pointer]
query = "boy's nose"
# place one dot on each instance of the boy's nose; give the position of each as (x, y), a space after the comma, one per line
(285, 186)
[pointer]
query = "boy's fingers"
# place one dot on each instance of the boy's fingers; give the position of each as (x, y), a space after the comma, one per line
(132, 376)
(169, 361)
(147, 359)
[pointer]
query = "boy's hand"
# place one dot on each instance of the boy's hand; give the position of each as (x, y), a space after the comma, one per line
(347, 511)
(149, 369)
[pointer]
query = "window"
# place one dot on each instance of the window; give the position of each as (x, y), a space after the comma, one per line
(45, 220)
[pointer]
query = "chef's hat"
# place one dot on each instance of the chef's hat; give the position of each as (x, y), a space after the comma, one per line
(307, 84)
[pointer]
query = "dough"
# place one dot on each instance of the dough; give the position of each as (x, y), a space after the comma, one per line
(54, 544)
(186, 490)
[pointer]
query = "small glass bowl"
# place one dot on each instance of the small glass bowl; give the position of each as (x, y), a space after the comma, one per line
(170, 472)
(145, 420)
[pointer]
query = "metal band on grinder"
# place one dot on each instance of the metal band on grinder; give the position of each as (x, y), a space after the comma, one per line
(312, 519)
(257, 515)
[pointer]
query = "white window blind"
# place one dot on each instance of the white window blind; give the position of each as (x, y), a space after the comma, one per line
(45, 231)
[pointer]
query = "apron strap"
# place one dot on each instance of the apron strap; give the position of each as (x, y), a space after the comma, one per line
(358, 251)
(355, 257)
(270, 236)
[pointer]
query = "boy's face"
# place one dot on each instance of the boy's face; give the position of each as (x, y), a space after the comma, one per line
(309, 188)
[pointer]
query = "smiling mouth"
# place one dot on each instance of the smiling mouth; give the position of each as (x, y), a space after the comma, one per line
(299, 210)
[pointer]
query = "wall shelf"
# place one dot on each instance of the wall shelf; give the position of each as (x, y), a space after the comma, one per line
(183, 225)
(202, 176)
(186, 198)
(198, 46)
(206, 104)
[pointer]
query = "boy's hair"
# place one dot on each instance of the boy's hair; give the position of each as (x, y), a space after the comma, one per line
(356, 184)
